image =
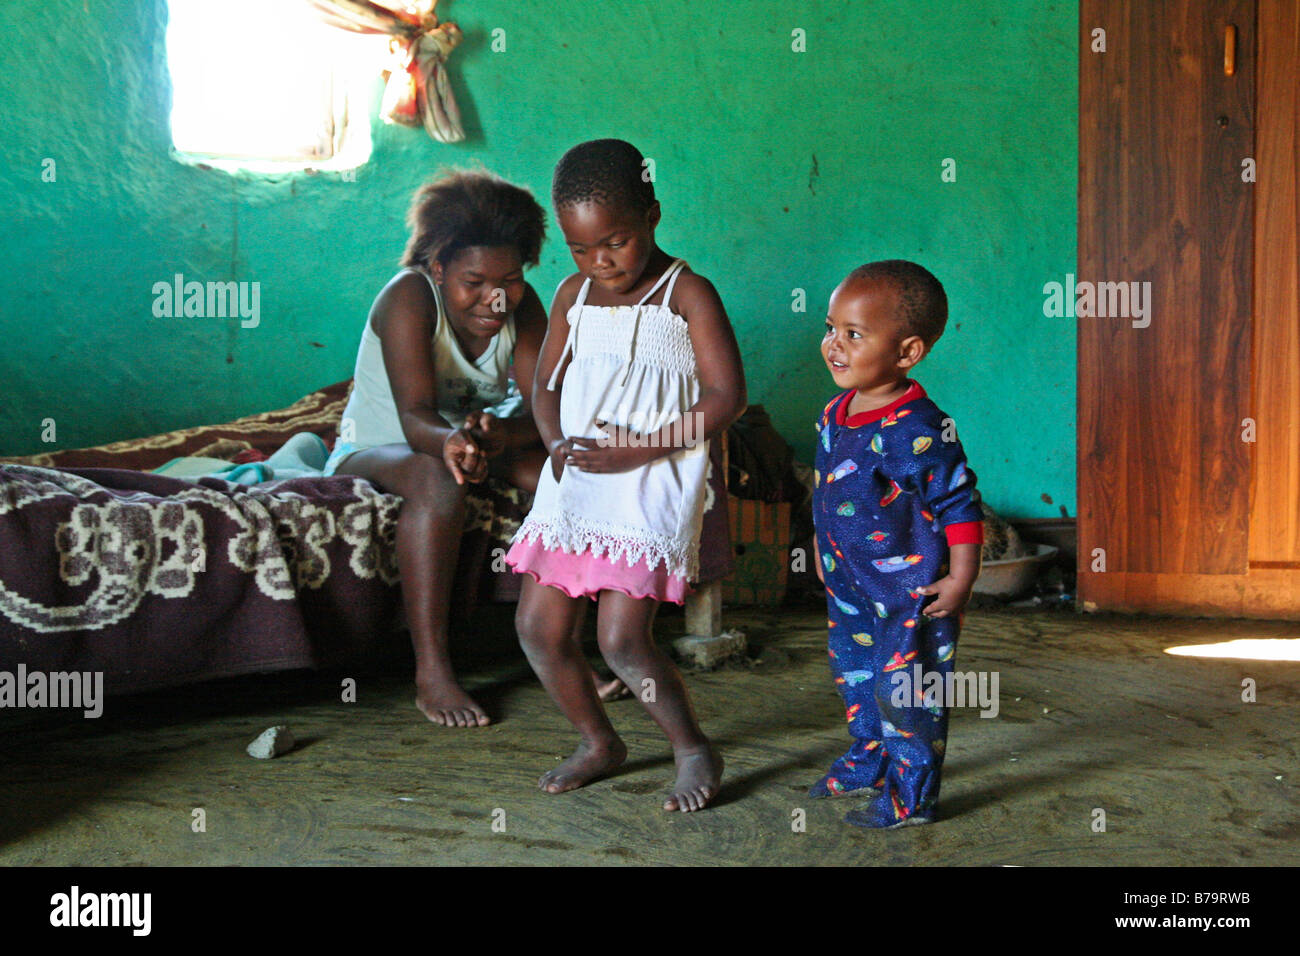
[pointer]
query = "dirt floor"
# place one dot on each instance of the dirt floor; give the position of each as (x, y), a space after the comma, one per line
(1092, 715)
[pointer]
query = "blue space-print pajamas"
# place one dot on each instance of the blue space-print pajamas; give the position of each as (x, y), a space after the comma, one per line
(885, 491)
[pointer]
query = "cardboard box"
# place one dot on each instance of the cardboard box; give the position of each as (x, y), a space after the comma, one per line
(760, 543)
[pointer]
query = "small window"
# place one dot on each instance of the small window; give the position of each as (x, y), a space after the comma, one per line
(264, 85)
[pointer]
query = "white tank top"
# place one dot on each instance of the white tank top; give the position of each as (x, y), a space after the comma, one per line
(464, 385)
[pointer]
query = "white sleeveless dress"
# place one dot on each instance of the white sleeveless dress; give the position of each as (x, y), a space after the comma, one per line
(637, 531)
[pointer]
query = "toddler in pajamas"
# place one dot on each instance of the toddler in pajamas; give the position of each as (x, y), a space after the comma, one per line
(899, 530)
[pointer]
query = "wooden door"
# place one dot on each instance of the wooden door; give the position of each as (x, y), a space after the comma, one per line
(1275, 505)
(1189, 415)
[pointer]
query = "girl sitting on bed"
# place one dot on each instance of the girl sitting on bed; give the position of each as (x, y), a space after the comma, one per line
(435, 404)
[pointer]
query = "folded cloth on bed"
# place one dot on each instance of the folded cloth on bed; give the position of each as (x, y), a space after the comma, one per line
(302, 456)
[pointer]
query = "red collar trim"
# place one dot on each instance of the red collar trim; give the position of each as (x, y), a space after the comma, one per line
(914, 391)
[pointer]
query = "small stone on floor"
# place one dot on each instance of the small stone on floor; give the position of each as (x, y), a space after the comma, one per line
(272, 742)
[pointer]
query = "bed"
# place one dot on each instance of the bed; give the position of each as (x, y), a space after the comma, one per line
(157, 581)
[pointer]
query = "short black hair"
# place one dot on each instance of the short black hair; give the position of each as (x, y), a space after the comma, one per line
(923, 305)
(462, 208)
(608, 172)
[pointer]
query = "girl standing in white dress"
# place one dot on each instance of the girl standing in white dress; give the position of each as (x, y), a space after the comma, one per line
(638, 371)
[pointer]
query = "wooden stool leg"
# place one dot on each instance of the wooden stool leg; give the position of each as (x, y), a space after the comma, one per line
(704, 611)
(705, 645)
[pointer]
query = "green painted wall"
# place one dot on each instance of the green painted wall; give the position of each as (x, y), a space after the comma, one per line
(777, 170)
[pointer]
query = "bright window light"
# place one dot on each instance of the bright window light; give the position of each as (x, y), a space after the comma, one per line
(262, 84)
(1248, 649)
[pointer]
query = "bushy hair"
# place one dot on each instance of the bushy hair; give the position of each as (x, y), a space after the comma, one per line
(923, 305)
(608, 172)
(463, 208)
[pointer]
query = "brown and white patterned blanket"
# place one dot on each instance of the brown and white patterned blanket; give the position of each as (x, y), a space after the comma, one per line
(158, 581)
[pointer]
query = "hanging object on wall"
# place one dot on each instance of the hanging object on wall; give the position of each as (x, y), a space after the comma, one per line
(418, 91)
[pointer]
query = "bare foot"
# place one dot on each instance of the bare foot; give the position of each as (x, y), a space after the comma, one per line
(612, 689)
(699, 777)
(443, 702)
(589, 762)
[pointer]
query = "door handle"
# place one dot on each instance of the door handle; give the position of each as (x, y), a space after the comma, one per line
(1230, 50)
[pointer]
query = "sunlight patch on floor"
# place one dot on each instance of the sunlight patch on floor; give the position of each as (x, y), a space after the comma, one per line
(1250, 649)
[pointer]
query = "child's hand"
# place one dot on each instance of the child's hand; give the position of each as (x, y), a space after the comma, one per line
(486, 432)
(463, 458)
(954, 595)
(617, 449)
(560, 449)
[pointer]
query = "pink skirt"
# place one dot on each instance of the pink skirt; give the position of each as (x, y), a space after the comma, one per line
(585, 575)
